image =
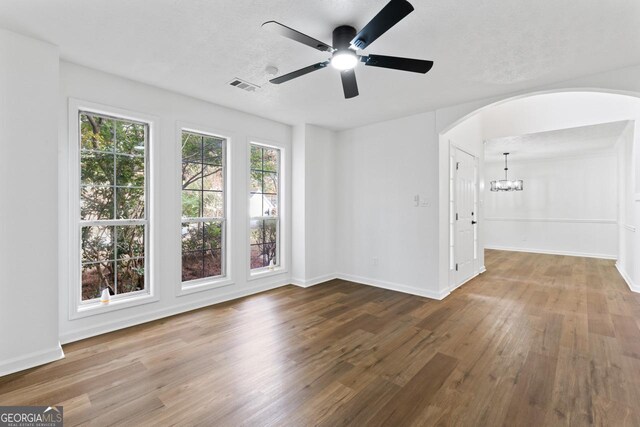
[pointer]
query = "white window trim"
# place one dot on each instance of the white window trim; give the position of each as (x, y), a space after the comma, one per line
(207, 283)
(77, 309)
(282, 267)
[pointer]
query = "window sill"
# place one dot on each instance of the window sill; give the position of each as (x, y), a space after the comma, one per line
(265, 272)
(201, 285)
(95, 308)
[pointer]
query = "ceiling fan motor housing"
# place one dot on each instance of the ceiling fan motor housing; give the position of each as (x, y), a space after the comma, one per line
(342, 37)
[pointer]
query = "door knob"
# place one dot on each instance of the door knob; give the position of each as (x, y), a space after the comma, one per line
(474, 222)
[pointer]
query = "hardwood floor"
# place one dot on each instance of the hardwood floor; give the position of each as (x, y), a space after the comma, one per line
(537, 340)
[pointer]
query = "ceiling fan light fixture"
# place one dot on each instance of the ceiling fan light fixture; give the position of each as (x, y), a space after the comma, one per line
(344, 60)
(346, 41)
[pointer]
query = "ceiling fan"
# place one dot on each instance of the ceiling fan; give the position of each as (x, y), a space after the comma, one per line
(346, 42)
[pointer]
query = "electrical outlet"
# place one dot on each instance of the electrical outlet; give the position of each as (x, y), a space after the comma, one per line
(374, 260)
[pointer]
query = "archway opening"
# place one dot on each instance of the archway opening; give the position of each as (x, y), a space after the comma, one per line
(565, 119)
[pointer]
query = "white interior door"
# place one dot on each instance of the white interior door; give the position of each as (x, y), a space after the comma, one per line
(465, 184)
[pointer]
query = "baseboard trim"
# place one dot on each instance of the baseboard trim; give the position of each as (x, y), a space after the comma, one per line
(31, 360)
(103, 328)
(392, 286)
(551, 252)
(632, 286)
(312, 282)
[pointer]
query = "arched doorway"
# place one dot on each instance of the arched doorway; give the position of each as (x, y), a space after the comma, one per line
(526, 114)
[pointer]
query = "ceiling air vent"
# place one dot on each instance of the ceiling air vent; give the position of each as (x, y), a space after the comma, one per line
(244, 85)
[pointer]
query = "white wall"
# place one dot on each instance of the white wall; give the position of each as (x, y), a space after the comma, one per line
(383, 239)
(171, 108)
(568, 206)
(321, 209)
(28, 200)
(314, 210)
(628, 151)
(298, 227)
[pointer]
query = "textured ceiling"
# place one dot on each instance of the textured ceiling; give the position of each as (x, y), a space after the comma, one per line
(557, 143)
(480, 47)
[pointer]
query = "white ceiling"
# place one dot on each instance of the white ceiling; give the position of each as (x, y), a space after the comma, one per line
(557, 143)
(480, 47)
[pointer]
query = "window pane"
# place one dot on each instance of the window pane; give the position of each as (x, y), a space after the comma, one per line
(113, 175)
(192, 237)
(96, 133)
(212, 235)
(270, 160)
(270, 183)
(212, 204)
(130, 203)
(130, 137)
(255, 205)
(95, 278)
(129, 171)
(256, 157)
(256, 182)
(257, 257)
(263, 202)
(256, 233)
(202, 197)
(192, 266)
(96, 203)
(270, 230)
(212, 150)
(130, 241)
(191, 203)
(192, 176)
(97, 244)
(96, 168)
(213, 179)
(212, 263)
(130, 275)
(270, 205)
(270, 251)
(191, 147)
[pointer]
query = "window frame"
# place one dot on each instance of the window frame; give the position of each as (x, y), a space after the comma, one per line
(214, 282)
(280, 267)
(77, 307)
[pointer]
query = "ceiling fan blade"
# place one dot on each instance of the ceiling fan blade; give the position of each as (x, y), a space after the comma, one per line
(396, 63)
(301, 72)
(389, 16)
(292, 34)
(349, 83)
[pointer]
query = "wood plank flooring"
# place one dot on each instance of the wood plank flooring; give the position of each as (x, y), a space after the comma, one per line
(537, 340)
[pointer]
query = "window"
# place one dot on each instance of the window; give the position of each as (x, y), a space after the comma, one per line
(203, 206)
(264, 207)
(113, 206)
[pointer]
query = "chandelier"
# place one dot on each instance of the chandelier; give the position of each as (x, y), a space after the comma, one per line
(506, 184)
